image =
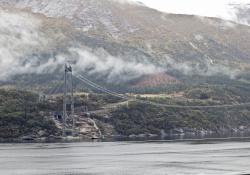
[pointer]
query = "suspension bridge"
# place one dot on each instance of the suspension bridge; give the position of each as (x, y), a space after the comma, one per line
(68, 98)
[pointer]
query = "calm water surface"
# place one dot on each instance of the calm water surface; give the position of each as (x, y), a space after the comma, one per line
(125, 158)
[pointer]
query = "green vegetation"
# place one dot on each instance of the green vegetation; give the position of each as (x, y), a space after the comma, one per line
(24, 113)
(142, 118)
(21, 114)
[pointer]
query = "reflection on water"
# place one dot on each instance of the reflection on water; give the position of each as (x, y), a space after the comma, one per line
(125, 158)
(184, 137)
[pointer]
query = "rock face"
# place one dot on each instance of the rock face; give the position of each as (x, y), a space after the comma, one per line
(87, 128)
(119, 41)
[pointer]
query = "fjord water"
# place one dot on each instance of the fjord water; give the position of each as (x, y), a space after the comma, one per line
(125, 158)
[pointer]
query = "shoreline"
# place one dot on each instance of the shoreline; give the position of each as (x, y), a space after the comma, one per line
(137, 138)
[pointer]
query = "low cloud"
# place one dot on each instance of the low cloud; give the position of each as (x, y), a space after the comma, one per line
(206, 68)
(115, 68)
(19, 37)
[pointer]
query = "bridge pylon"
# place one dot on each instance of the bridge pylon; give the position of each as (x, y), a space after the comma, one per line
(68, 98)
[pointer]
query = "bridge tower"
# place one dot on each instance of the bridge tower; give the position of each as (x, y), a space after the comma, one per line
(68, 98)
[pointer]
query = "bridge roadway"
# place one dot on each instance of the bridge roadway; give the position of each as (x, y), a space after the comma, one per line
(105, 109)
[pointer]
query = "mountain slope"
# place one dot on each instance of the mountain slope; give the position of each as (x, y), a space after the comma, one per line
(122, 41)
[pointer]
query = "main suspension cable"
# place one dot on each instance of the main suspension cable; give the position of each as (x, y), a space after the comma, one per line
(98, 87)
